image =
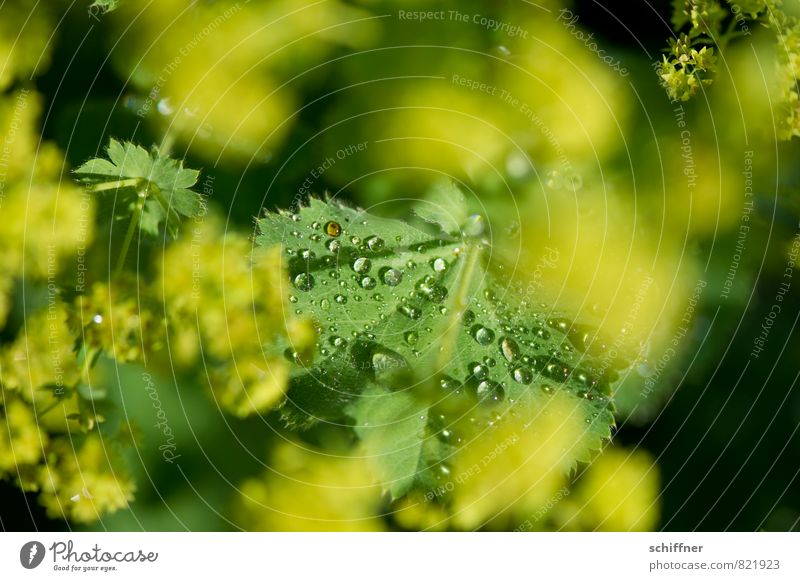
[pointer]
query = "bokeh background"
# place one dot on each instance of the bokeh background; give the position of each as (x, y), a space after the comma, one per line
(557, 147)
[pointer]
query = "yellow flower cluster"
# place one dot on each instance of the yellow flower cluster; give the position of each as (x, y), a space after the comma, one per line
(47, 228)
(25, 35)
(618, 492)
(225, 75)
(82, 480)
(308, 490)
(789, 73)
(224, 301)
(112, 317)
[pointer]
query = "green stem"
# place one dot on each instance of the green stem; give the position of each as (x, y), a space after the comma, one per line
(132, 226)
(116, 185)
(166, 144)
(459, 304)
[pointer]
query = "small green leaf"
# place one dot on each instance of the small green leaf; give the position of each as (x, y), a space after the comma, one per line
(162, 182)
(444, 206)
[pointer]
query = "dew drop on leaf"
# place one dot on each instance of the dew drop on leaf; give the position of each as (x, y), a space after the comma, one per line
(368, 283)
(391, 276)
(490, 391)
(439, 264)
(304, 281)
(483, 335)
(333, 229)
(362, 265)
(478, 371)
(375, 243)
(522, 375)
(341, 299)
(412, 313)
(411, 338)
(510, 349)
(333, 245)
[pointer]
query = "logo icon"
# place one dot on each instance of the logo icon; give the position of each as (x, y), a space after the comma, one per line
(31, 554)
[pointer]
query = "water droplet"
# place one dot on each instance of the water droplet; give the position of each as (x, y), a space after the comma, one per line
(355, 240)
(483, 335)
(338, 342)
(333, 229)
(431, 289)
(439, 264)
(574, 181)
(97, 319)
(412, 313)
(490, 391)
(304, 281)
(391, 276)
(375, 243)
(474, 226)
(308, 254)
(478, 371)
(315, 225)
(522, 375)
(292, 299)
(468, 318)
(325, 304)
(510, 349)
(553, 180)
(333, 246)
(557, 370)
(165, 107)
(518, 165)
(411, 338)
(448, 383)
(560, 324)
(362, 265)
(502, 51)
(368, 283)
(541, 333)
(341, 299)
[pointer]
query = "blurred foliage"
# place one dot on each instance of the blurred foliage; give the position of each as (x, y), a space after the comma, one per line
(157, 397)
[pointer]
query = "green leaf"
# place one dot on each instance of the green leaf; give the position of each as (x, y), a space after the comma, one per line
(431, 323)
(104, 6)
(392, 429)
(444, 206)
(159, 184)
